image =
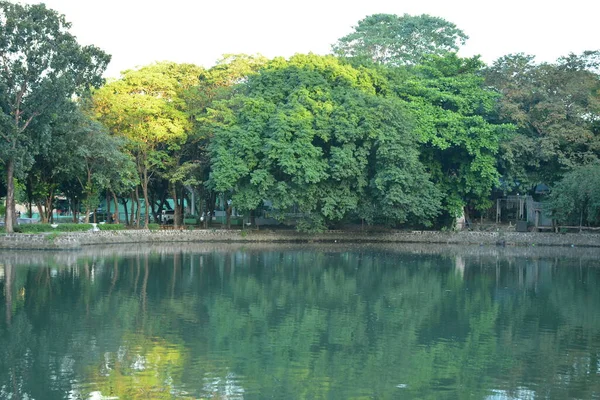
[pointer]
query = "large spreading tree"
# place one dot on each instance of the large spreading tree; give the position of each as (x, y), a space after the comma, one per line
(400, 40)
(555, 108)
(313, 133)
(41, 67)
(458, 139)
(147, 107)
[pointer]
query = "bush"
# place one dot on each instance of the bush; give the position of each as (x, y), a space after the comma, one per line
(575, 199)
(153, 227)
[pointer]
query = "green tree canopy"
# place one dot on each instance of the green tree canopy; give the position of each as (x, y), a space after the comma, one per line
(452, 109)
(575, 199)
(556, 110)
(147, 107)
(41, 67)
(393, 40)
(312, 132)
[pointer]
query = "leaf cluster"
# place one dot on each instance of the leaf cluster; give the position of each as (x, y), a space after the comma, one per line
(312, 133)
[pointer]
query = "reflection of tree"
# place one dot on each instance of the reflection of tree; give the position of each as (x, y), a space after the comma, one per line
(8, 289)
(141, 368)
(302, 324)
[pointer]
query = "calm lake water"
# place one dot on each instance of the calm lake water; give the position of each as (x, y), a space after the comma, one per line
(300, 322)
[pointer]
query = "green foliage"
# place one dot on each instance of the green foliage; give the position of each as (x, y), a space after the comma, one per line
(149, 108)
(406, 40)
(312, 133)
(153, 227)
(62, 227)
(555, 108)
(52, 236)
(452, 110)
(145, 107)
(41, 68)
(575, 199)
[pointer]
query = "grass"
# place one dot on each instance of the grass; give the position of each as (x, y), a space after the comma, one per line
(71, 227)
(63, 227)
(51, 236)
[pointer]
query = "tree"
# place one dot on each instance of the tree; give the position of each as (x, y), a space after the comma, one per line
(556, 111)
(100, 159)
(41, 65)
(54, 161)
(393, 40)
(458, 144)
(312, 133)
(147, 108)
(216, 84)
(575, 199)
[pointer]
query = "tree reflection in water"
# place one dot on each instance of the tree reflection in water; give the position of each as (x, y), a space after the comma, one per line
(300, 322)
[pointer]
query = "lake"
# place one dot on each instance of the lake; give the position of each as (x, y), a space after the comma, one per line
(300, 322)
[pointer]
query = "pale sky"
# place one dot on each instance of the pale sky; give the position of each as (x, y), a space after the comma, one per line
(140, 32)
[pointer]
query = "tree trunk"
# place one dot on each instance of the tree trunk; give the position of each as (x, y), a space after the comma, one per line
(107, 214)
(151, 205)
(145, 193)
(116, 219)
(30, 201)
(132, 210)
(49, 209)
(41, 211)
(161, 206)
(74, 210)
(182, 206)
(8, 284)
(124, 201)
(175, 205)
(210, 208)
(228, 210)
(138, 211)
(10, 198)
(87, 213)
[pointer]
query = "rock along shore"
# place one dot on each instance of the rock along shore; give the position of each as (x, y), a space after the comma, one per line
(77, 240)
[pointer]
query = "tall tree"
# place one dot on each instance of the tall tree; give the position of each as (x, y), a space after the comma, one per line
(556, 110)
(146, 106)
(41, 65)
(312, 133)
(215, 84)
(393, 40)
(458, 143)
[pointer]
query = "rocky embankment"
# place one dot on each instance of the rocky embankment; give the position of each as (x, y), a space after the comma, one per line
(77, 240)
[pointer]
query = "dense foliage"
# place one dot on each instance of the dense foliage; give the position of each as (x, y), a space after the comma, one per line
(575, 199)
(394, 128)
(393, 40)
(556, 111)
(312, 133)
(41, 68)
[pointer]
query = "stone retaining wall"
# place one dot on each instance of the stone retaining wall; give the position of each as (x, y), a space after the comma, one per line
(75, 240)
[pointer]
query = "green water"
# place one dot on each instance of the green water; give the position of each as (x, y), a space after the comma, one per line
(297, 322)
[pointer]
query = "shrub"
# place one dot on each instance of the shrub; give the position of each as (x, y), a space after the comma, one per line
(575, 199)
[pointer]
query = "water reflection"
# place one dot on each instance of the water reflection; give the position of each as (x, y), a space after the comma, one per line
(300, 322)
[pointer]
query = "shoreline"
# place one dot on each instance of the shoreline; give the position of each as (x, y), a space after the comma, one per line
(79, 240)
(485, 256)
